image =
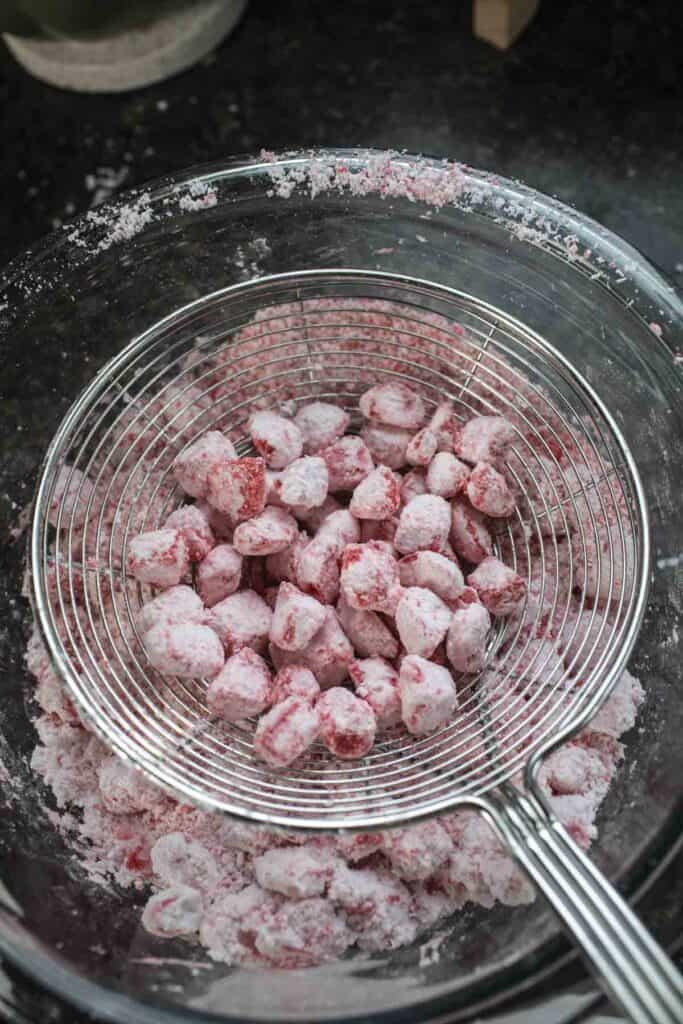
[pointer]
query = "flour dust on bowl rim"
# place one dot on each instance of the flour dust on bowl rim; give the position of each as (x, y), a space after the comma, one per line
(529, 309)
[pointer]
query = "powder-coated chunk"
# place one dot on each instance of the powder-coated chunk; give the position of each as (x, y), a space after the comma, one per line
(422, 447)
(304, 483)
(296, 619)
(192, 466)
(176, 605)
(193, 523)
(422, 621)
(489, 492)
(387, 445)
(470, 534)
(378, 496)
(446, 475)
(321, 424)
(185, 650)
(286, 731)
(367, 631)
(295, 681)
(347, 723)
(242, 620)
(369, 577)
(500, 589)
(434, 571)
(237, 488)
(277, 440)
(485, 439)
(270, 531)
(466, 641)
(394, 404)
(424, 524)
(348, 460)
(428, 696)
(242, 688)
(219, 574)
(376, 682)
(412, 484)
(159, 557)
(173, 912)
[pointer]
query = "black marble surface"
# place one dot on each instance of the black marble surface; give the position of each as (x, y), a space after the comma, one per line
(586, 106)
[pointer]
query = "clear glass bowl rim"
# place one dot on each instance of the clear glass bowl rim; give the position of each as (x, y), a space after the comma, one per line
(535, 218)
(625, 272)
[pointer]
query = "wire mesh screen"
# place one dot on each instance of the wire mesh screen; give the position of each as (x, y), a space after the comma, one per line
(578, 535)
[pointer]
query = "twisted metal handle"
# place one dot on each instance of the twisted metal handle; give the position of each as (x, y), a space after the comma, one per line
(624, 957)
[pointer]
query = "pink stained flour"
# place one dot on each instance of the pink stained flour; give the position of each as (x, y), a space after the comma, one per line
(250, 894)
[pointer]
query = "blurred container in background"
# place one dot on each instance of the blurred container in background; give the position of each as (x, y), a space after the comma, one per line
(113, 45)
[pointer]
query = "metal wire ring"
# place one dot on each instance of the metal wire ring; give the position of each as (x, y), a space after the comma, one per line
(328, 335)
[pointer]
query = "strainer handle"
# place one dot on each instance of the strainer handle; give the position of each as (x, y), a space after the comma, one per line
(632, 967)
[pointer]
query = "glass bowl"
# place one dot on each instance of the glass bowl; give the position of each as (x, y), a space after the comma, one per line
(71, 305)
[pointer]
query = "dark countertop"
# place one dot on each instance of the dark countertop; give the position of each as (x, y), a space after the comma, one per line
(586, 106)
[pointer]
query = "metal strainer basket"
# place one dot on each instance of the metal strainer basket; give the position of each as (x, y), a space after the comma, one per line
(579, 536)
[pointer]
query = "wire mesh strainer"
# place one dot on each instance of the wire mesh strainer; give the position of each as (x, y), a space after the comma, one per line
(579, 535)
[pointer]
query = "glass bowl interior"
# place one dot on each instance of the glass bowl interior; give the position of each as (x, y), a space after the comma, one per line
(75, 303)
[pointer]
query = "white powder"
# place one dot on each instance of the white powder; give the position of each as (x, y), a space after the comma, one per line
(125, 223)
(195, 196)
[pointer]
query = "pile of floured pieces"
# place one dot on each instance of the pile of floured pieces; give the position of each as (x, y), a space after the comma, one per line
(330, 588)
(365, 599)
